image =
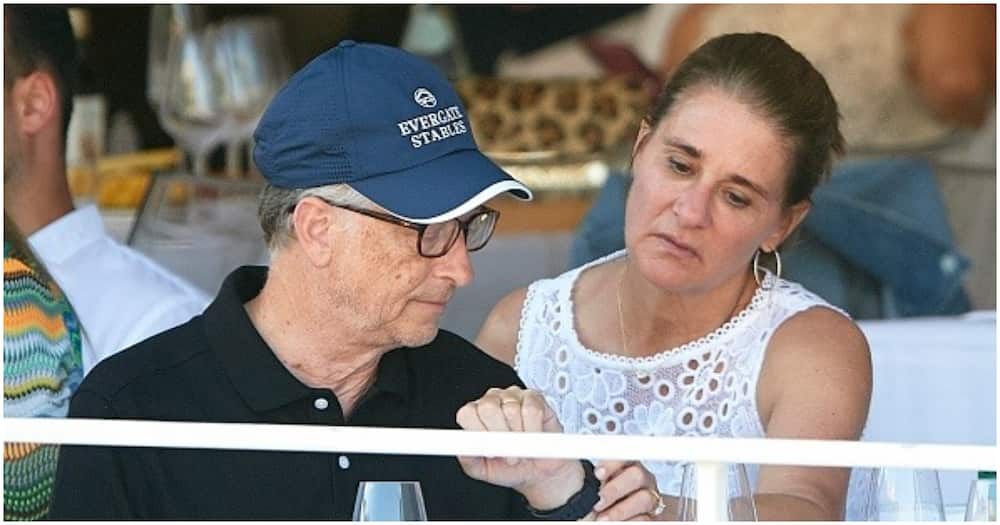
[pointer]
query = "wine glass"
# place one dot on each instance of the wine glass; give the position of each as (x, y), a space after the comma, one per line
(982, 504)
(166, 21)
(255, 66)
(741, 506)
(191, 108)
(909, 495)
(389, 501)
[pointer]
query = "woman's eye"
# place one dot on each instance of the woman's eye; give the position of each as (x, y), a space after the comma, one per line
(678, 166)
(737, 200)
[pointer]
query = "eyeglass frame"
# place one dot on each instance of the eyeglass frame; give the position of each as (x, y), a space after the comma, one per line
(463, 226)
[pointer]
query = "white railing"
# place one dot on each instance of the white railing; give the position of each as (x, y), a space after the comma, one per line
(710, 454)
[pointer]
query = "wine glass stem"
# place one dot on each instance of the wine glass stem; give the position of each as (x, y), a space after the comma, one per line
(711, 491)
(233, 161)
(200, 164)
(251, 165)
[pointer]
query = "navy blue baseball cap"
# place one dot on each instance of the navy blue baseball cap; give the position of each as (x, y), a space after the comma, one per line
(384, 122)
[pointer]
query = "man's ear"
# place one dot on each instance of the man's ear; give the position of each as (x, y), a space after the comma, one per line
(34, 99)
(313, 221)
(790, 220)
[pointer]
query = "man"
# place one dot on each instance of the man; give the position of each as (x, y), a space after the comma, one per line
(376, 194)
(121, 296)
(46, 351)
(42, 368)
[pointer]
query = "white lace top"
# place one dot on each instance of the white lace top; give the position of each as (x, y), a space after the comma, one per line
(706, 387)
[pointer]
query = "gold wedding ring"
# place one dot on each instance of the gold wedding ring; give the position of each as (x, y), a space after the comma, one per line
(508, 401)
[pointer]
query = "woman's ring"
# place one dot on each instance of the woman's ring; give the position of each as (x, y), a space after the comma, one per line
(660, 504)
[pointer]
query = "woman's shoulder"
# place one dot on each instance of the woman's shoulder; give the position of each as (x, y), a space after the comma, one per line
(794, 298)
(819, 326)
(501, 331)
(817, 358)
(498, 335)
(811, 324)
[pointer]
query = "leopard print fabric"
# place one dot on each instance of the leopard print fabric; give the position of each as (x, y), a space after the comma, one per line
(568, 116)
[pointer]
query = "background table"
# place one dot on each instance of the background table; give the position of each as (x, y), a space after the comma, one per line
(935, 382)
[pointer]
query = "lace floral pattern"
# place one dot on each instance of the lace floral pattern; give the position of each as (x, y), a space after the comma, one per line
(706, 387)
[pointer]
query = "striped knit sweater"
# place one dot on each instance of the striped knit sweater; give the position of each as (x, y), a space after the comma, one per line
(42, 368)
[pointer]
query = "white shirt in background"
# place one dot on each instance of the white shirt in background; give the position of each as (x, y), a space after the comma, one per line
(120, 296)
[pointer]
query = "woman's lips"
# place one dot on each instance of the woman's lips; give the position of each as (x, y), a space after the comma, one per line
(677, 248)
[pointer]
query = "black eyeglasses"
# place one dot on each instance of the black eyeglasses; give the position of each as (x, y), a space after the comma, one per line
(435, 240)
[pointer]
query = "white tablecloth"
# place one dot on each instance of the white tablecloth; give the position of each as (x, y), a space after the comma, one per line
(935, 382)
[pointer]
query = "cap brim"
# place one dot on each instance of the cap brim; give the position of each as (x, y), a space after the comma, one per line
(442, 189)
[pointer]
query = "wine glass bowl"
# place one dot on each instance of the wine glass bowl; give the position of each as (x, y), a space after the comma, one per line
(252, 55)
(167, 21)
(909, 495)
(740, 506)
(192, 109)
(255, 64)
(389, 501)
(982, 503)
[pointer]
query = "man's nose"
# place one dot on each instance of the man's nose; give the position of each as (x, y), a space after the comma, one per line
(455, 264)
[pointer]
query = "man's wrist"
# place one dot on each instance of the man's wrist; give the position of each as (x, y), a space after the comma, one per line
(579, 504)
(554, 492)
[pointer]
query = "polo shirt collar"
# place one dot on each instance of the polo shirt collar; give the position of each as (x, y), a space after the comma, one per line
(255, 371)
(393, 375)
(258, 375)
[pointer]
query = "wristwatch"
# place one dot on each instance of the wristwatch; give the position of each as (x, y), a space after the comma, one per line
(578, 505)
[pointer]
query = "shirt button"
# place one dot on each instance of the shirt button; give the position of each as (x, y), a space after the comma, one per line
(344, 462)
(321, 403)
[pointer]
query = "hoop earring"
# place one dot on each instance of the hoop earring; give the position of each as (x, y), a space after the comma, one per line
(757, 268)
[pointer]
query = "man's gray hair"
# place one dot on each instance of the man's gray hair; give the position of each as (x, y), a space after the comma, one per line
(276, 206)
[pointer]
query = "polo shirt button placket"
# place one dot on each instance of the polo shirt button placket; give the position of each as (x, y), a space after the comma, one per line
(344, 462)
(321, 403)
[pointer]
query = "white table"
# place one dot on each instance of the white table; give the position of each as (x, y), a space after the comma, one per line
(935, 382)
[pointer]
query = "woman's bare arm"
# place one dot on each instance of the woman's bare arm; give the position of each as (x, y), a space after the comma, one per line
(498, 336)
(816, 383)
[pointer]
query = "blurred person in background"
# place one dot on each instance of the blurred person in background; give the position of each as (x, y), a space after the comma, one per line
(941, 56)
(120, 296)
(41, 369)
(685, 332)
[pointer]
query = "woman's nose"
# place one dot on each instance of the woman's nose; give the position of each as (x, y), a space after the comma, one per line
(692, 206)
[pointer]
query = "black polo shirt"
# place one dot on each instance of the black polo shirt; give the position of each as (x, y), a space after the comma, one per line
(217, 368)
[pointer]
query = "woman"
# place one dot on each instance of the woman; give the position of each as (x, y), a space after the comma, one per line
(684, 332)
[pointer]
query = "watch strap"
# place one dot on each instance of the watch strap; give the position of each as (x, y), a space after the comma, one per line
(579, 504)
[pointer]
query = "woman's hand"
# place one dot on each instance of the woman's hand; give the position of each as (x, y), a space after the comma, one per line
(628, 493)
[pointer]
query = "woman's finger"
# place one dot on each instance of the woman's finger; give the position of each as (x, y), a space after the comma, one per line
(633, 477)
(636, 506)
(608, 468)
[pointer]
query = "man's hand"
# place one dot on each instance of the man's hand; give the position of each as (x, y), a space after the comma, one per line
(628, 493)
(545, 483)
